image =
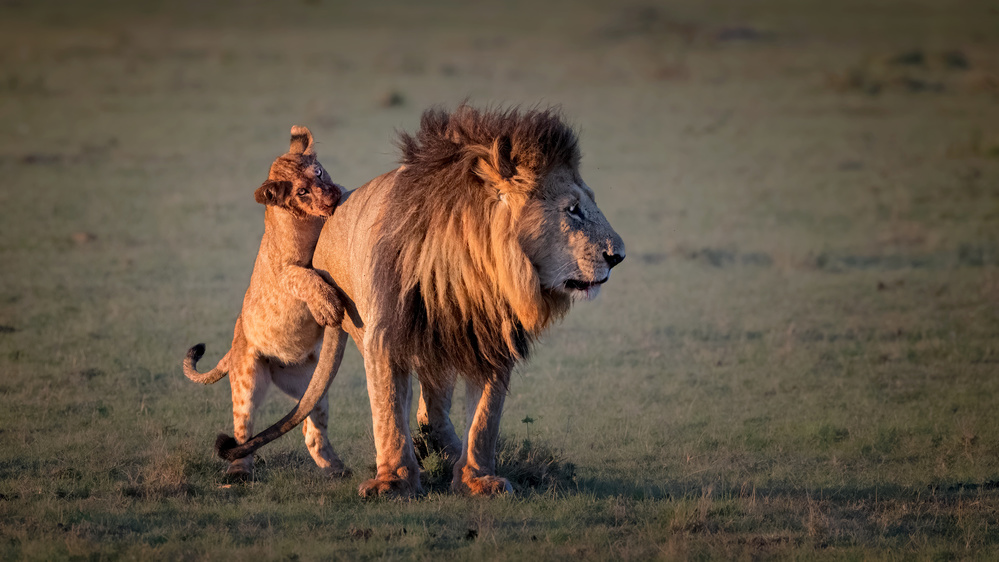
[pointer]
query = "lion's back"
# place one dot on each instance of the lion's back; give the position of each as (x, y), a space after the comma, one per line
(344, 251)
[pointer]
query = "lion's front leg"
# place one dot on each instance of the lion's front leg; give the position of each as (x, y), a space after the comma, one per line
(475, 472)
(390, 394)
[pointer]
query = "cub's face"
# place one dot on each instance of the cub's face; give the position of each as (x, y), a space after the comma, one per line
(297, 181)
(570, 243)
(301, 185)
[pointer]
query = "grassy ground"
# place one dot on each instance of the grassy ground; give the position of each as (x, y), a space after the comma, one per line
(798, 359)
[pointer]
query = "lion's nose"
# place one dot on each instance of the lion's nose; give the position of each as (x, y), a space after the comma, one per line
(613, 259)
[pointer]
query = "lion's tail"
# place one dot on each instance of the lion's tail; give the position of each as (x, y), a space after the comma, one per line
(191, 362)
(334, 342)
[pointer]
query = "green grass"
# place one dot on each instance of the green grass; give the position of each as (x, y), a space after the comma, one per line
(797, 360)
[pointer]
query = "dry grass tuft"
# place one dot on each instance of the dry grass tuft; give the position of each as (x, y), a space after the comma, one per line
(529, 465)
(166, 475)
(535, 466)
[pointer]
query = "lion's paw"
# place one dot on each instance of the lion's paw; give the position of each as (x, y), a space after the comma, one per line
(386, 487)
(486, 486)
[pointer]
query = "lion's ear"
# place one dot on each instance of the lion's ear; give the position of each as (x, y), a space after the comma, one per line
(503, 157)
(301, 140)
(272, 192)
(496, 164)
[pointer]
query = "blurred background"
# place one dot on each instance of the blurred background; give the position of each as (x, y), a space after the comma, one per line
(809, 194)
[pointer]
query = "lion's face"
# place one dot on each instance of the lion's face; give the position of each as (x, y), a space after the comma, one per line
(567, 238)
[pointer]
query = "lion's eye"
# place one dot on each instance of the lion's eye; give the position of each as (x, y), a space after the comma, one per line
(303, 192)
(574, 210)
(319, 171)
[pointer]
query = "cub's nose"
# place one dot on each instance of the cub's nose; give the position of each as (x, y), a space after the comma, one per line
(613, 259)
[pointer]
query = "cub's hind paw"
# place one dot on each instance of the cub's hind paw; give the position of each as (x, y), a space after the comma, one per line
(239, 471)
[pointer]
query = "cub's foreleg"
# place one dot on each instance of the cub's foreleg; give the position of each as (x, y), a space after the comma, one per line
(322, 299)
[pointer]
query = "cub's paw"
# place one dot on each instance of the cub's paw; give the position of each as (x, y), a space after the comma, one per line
(386, 487)
(327, 310)
(487, 486)
(239, 471)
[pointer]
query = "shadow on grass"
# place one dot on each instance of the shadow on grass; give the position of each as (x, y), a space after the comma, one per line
(537, 468)
(531, 467)
(678, 490)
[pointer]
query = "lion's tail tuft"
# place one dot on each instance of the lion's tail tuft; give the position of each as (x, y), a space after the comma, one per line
(224, 446)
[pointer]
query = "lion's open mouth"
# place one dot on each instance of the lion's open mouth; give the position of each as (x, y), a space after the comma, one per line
(577, 285)
(584, 290)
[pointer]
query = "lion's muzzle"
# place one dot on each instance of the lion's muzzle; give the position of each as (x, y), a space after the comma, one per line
(613, 259)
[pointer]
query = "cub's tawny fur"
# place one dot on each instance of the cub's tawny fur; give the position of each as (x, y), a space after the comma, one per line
(280, 327)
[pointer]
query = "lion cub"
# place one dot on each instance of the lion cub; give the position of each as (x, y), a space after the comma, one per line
(279, 330)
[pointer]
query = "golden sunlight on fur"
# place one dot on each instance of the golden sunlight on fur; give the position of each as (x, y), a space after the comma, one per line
(452, 265)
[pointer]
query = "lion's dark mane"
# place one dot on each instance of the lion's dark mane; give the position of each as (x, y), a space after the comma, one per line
(435, 283)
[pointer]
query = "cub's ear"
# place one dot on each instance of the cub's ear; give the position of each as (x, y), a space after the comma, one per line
(273, 192)
(301, 140)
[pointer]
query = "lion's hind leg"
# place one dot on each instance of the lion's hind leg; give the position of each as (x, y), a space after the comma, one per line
(390, 393)
(437, 434)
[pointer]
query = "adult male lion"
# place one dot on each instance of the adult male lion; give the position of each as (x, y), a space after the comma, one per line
(453, 265)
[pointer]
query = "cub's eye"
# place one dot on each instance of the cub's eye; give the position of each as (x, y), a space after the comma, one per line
(574, 210)
(303, 192)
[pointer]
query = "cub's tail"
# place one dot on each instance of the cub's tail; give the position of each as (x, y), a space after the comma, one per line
(191, 362)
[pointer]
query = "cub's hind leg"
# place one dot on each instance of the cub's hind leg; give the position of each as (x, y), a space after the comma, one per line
(249, 381)
(317, 441)
(293, 380)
